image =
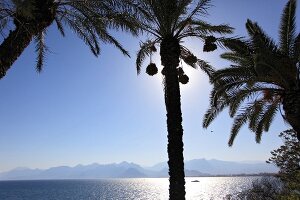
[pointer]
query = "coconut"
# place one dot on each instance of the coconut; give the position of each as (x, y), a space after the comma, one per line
(191, 59)
(209, 47)
(151, 69)
(184, 79)
(180, 71)
(210, 39)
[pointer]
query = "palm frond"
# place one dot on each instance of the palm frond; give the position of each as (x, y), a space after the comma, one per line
(107, 38)
(240, 52)
(239, 73)
(280, 68)
(266, 119)
(200, 9)
(288, 27)
(212, 113)
(3, 24)
(259, 39)
(269, 115)
(203, 27)
(235, 101)
(238, 59)
(60, 27)
(86, 34)
(6, 17)
(190, 59)
(239, 46)
(92, 20)
(115, 14)
(182, 22)
(296, 49)
(40, 49)
(24, 8)
(205, 67)
(145, 50)
(239, 121)
(123, 22)
(258, 107)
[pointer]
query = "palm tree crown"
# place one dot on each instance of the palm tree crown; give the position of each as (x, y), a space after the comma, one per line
(22, 20)
(168, 23)
(177, 20)
(264, 76)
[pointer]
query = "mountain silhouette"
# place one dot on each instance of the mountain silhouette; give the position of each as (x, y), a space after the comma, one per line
(196, 167)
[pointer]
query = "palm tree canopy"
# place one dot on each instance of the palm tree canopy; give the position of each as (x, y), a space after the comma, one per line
(262, 75)
(178, 19)
(89, 19)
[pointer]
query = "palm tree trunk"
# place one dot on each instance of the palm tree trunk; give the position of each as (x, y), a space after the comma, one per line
(12, 47)
(170, 51)
(18, 39)
(291, 107)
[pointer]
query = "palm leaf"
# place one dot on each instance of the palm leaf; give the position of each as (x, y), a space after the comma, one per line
(211, 114)
(269, 115)
(145, 50)
(259, 39)
(205, 67)
(258, 107)
(200, 9)
(86, 35)
(185, 54)
(239, 121)
(296, 49)
(203, 27)
(41, 49)
(287, 27)
(106, 37)
(60, 27)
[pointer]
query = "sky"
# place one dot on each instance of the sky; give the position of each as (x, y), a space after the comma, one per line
(82, 109)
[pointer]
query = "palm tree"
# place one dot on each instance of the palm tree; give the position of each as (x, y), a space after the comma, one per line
(89, 19)
(263, 79)
(168, 23)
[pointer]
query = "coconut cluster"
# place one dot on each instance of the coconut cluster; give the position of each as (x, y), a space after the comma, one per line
(182, 77)
(151, 69)
(209, 44)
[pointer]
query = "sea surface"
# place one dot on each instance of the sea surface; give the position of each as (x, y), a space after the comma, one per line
(208, 188)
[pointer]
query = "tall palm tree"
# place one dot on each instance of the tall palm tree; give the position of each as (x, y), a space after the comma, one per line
(168, 23)
(23, 20)
(263, 79)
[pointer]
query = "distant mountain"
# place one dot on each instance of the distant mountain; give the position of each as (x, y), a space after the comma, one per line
(20, 174)
(228, 167)
(197, 167)
(217, 167)
(121, 170)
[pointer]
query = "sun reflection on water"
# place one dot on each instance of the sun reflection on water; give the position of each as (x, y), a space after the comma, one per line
(208, 188)
(215, 187)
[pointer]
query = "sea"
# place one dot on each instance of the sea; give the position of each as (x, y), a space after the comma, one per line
(197, 188)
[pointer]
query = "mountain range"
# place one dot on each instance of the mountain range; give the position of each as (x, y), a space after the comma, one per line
(196, 167)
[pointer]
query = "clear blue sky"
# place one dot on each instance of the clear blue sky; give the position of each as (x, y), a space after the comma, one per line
(83, 109)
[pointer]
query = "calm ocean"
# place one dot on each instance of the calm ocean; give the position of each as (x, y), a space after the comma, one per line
(207, 188)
